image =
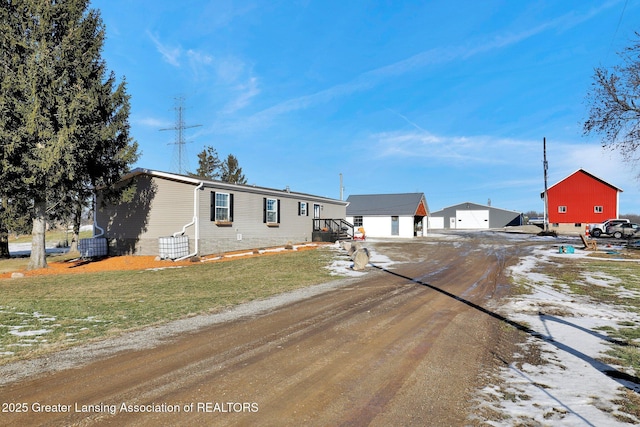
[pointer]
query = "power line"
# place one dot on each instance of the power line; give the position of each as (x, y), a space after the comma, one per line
(179, 128)
(615, 33)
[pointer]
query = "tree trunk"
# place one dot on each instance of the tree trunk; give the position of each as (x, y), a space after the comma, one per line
(4, 243)
(38, 244)
(73, 246)
(4, 234)
(77, 220)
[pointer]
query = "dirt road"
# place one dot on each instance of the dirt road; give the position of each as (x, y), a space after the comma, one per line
(382, 350)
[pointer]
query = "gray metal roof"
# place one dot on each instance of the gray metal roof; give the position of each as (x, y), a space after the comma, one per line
(385, 204)
(470, 206)
(219, 184)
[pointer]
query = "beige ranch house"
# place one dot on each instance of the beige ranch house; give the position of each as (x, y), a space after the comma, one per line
(176, 216)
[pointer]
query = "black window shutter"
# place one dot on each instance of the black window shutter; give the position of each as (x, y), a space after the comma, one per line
(264, 210)
(308, 206)
(278, 211)
(213, 206)
(299, 208)
(231, 207)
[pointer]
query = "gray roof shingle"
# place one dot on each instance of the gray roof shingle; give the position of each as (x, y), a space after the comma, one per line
(384, 204)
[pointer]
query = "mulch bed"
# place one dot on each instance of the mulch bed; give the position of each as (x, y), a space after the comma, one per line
(143, 262)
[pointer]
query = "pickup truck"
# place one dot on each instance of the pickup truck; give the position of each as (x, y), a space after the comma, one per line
(596, 230)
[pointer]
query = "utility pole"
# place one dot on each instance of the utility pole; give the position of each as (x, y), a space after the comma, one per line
(546, 200)
(341, 188)
(179, 128)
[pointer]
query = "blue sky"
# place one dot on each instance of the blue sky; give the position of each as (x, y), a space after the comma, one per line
(449, 98)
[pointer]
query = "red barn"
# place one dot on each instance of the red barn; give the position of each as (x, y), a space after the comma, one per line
(581, 199)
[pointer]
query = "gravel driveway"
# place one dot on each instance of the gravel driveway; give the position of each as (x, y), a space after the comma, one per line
(387, 348)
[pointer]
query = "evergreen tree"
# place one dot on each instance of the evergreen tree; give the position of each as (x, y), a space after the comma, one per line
(63, 122)
(208, 164)
(232, 172)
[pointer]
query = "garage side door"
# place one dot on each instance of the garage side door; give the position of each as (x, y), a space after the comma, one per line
(472, 220)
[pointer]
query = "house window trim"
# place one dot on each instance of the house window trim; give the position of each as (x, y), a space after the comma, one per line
(598, 209)
(266, 211)
(214, 209)
(303, 209)
(562, 209)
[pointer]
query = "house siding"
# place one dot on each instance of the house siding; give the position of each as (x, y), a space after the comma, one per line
(158, 208)
(162, 207)
(248, 229)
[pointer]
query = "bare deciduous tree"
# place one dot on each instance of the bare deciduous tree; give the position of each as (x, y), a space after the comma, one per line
(614, 104)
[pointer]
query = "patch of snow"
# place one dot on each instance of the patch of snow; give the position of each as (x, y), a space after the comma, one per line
(571, 387)
(15, 330)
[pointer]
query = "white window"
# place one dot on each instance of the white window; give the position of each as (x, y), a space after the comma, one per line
(562, 209)
(598, 209)
(303, 209)
(222, 207)
(271, 211)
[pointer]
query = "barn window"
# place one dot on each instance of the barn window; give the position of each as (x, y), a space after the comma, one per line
(598, 209)
(357, 221)
(221, 207)
(562, 209)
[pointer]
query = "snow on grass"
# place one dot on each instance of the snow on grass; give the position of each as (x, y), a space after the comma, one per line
(28, 329)
(342, 264)
(16, 330)
(570, 387)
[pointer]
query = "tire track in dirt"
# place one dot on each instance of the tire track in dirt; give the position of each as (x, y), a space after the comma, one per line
(379, 348)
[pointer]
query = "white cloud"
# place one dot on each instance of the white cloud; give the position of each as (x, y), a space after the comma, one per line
(246, 92)
(199, 62)
(152, 122)
(229, 69)
(439, 55)
(421, 144)
(169, 54)
(196, 57)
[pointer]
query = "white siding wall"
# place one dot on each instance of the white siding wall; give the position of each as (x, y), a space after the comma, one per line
(406, 226)
(380, 226)
(436, 223)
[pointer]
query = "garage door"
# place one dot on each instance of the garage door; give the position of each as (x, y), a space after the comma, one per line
(472, 220)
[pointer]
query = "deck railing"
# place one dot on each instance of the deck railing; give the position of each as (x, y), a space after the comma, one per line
(338, 229)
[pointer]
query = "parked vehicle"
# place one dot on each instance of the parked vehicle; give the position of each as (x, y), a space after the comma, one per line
(596, 230)
(628, 229)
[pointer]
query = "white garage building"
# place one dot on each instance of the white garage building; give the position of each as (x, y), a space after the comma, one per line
(472, 216)
(389, 215)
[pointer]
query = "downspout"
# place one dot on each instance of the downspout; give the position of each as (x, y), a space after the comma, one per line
(194, 221)
(95, 218)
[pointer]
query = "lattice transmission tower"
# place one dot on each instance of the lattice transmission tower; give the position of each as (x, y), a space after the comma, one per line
(180, 142)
